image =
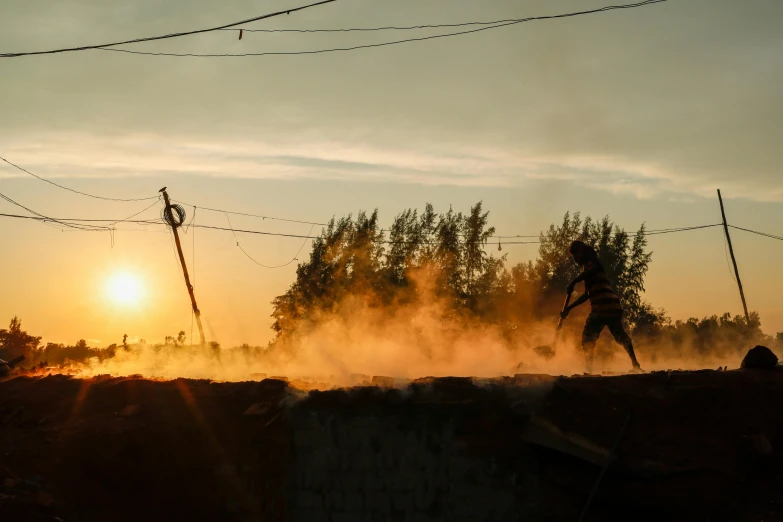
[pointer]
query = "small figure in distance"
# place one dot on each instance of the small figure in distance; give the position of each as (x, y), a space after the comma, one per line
(606, 309)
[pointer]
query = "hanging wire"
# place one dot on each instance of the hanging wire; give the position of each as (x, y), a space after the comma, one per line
(764, 234)
(726, 251)
(192, 219)
(165, 36)
(272, 218)
(383, 44)
(73, 190)
(137, 213)
(295, 258)
(49, 220)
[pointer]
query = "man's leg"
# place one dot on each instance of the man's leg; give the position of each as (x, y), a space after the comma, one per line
(622, 337)
(590, 335)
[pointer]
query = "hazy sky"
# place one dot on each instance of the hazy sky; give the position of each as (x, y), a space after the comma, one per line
(640, 114)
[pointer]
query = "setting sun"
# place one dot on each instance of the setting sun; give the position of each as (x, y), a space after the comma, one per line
(124, 288)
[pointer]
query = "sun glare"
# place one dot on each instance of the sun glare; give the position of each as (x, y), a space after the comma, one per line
(124, 288)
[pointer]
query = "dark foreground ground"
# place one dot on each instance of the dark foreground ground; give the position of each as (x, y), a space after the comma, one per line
(697, 446)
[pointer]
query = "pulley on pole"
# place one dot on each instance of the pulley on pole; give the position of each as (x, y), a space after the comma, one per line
(174, 216)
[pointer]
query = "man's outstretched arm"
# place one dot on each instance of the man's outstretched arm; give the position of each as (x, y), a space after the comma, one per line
(581, 300)
(591, 270)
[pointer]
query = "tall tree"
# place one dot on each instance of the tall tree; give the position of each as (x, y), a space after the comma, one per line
(448, 252)
(476, 234)
(15, 342)
(404, 242)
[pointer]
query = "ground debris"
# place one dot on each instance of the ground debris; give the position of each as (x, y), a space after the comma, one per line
(24, 498)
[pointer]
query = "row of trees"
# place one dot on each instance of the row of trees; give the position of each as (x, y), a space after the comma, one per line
(14, 341)
(449, 253)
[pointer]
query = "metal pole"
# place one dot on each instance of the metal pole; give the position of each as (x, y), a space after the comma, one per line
(734, 261)
(185, 270)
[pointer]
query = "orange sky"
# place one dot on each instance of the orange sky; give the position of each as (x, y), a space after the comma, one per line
(639, 114)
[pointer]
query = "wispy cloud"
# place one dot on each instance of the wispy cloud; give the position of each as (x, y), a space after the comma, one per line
(138, 155)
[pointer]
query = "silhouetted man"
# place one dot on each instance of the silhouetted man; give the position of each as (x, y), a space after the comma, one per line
(606, 309)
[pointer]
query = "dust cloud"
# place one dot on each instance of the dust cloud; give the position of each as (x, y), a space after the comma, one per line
(410, 338)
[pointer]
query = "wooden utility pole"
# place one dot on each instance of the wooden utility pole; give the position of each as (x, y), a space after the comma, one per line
(734, 261)
(170, 218)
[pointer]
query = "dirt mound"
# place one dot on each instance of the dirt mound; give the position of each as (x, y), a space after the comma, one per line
(135, 449)
(698, 445)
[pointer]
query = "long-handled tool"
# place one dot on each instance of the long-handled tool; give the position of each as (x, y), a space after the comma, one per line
(548, 351)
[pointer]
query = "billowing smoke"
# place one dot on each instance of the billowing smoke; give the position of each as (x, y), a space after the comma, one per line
(415, 338)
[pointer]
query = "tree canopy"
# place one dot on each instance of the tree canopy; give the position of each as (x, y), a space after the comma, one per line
(15, 342)
(447, 254)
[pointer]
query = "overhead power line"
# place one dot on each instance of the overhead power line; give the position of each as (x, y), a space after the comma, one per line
(73, 190)
(678, 229)
(49, 220)
(516, 236)
(382, 241)
(765, 234)
(127, 219)
(646, 232)
(84, 225)
(244, 231)
(75, 222)
(260, 232)
(294, 258)
(165, 36)
(370, 29)
(726, 254)
(383, 44)
(271, 218)
(309, 236)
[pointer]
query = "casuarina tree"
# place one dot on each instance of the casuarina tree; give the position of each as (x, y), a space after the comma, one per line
(15, 342)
